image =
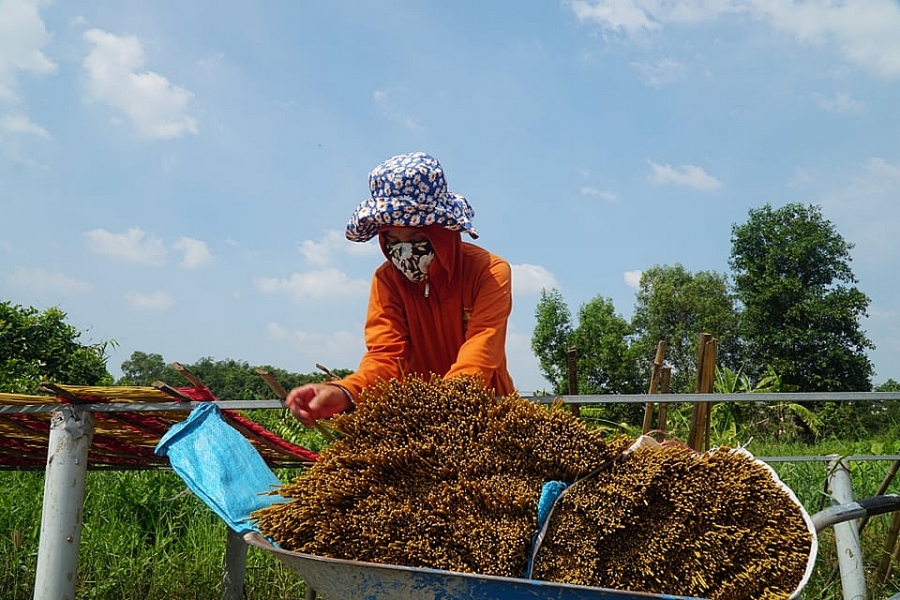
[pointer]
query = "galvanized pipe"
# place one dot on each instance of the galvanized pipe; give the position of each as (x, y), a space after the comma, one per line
(235, 566)
(846, 534)
(98, 407)
(71, 432)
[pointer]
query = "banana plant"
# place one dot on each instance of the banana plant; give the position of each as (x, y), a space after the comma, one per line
(730, 416)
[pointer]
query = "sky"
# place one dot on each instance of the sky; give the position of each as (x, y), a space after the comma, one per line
(176, 176)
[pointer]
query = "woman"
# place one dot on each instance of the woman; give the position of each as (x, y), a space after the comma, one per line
(436, 306)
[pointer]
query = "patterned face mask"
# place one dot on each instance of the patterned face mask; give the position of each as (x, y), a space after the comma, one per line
(412, 258)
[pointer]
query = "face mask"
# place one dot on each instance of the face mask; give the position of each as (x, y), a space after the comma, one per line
(412, 258)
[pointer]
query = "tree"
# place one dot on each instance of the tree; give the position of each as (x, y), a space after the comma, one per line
(604, 362)
(147, 369)
(227, 379)
(888, 386)
(236, 380)
(676, 306)
(40, 346)
(801, 313)
(550, 340)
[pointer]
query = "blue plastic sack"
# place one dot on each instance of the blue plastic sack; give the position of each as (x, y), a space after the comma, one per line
(550, 493)
(220, 466)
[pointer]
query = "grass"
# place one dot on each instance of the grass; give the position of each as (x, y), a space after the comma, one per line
(142, 537)
(145, 537)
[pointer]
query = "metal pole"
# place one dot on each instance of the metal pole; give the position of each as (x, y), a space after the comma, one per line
(235, 566)
(71, 432)
(846, 534)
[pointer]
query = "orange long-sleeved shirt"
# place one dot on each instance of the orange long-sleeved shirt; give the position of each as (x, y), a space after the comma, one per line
(459, 328)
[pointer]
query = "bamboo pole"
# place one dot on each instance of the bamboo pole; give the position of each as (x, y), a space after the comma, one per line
(698, 435)
(186, 373)
(572, 364)
(891, 550)
(662, 417)
(885, 483)
(654, 384)
(279, 390)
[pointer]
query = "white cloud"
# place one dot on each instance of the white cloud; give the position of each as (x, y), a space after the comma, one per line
(133, 246)
(276, 332)
(117, 76)
(335, 349)
(314, 285)
(321, 254)
(633, 279)
(602, 194)
(661, 72)
(370, 248)
(687, 175)
(38, 279)
(196, 253)
(531, 279)
(523, 365)
(22, 35)
(865, 33)
(152, 301)
(21, 124)
(316, 254)
(334, 340)
(615, 15)
(839, 103)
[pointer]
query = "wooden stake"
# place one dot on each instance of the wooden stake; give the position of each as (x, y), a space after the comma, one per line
(327, 371)
(164, 387)
(654, 384)
(572, 363)
(664, 382)
(184, 372)
(698, 435)
(889, 556)
(282, 393)
(273, 383)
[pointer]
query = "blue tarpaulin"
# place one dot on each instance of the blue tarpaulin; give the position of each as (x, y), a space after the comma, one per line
(220, 466)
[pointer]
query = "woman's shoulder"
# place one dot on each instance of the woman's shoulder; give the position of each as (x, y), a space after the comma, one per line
(476, 252)
(480, 259)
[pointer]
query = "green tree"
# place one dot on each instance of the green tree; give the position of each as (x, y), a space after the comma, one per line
(604, 363)
(550, 340)
(888, 386)
(40, 346)
(887, 412)
(801, 313)
(676, 306)
(146, 369)
(231, 379)
(227, 379)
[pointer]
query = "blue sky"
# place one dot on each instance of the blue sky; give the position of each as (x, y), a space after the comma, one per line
(176, 176)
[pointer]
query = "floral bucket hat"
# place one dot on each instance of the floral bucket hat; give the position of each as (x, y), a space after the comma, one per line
(409, 190)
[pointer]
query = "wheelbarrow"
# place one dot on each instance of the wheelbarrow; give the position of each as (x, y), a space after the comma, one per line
(335, 579)
(235, 488)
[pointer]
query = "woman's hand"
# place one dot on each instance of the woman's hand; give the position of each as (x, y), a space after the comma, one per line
(313, 401)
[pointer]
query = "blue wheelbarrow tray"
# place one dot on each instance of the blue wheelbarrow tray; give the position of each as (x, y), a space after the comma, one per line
(339, 579)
